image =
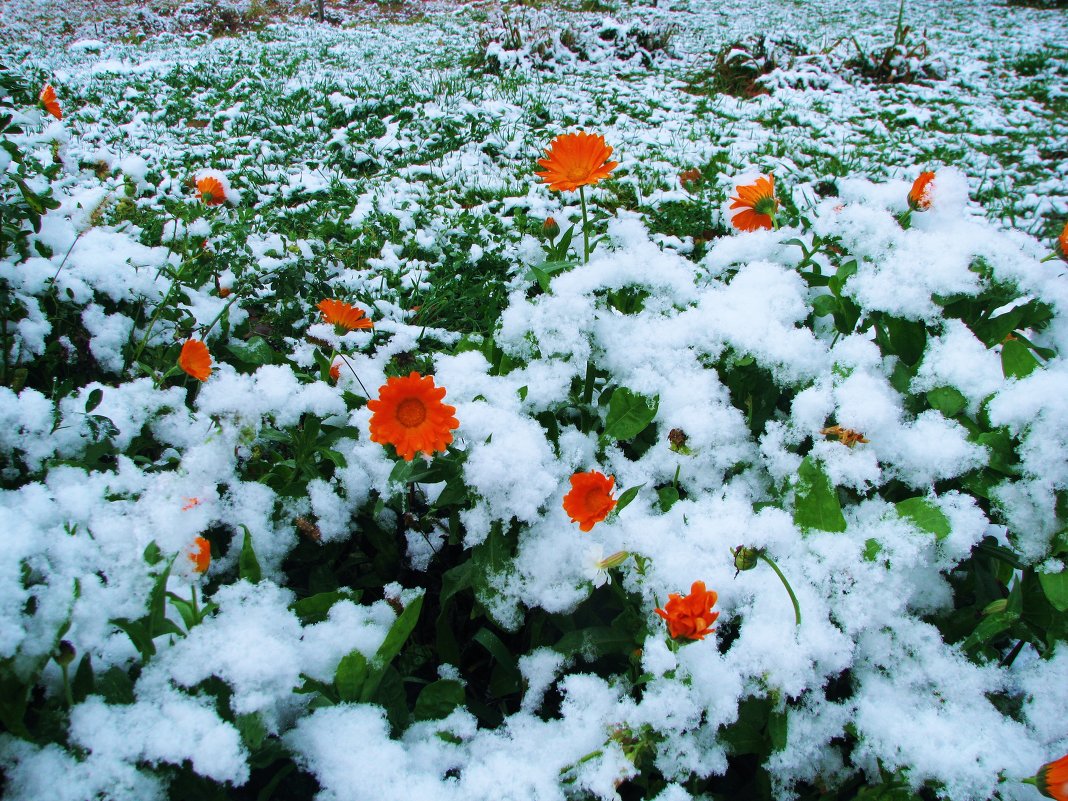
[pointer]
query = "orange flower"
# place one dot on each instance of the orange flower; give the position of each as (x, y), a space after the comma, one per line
(49, 101)
(338, 312)
(195, 359)
(200, 555)
(1052, 779)
(574, 160)
(847, 436)
(410, 416)
(690, 617)
(920, 194)
(1062, 241)
(590, 499)
(758, 204)
(335, 371)
(191, 503)
(690, 178)
(210, 191)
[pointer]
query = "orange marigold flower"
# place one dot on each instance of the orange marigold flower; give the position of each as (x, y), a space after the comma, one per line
(346, 315)
(195, 359)
(574, 160)
(920, 194)
(847, 436)
(1062, 241)
(757, 204)
(409, 415)
(49, 101)
(690, 616)
(1052, 779)
(210, 191)
(200, 555)
(335, 371)
(590, 499)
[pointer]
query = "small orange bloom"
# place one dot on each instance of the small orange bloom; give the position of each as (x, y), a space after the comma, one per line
(1062, 241)
(49, 102)
(920, 194)
(200, 555)
(191, 503)
(335, 371)
(195, 359)
(691, 616)
(847, 436)
(210, 191)
(409, 415)
(590, 499)
(758, 204)
(574, 160)
(338, 312)
(1052, 779)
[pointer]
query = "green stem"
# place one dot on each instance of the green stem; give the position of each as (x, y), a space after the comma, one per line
(1050, 257)
(68, 696)
(193, 603)
(585, 227)
(587, 396)
(159, 310)
(785, 583)
(218, 316)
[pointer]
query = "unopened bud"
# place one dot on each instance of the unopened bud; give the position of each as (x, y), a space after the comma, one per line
(65, 653)
(745, 558)
(996, 607)
(550, 228)
(615, 560)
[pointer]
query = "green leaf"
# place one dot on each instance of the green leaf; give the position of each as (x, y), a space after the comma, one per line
(94, 399)
(925, 516)
(595, 641)
(316, 608)
(14, 697)
(396, 637)
(115, 686)
(989, 628)
(668, 496)
(907, 338)
(138, 635)
(157, 603)
(948, 400)
(438, 699)
(872, 549)
(629, 414)
(1055, 587)
(350, 676)
(823, 305)
(81, 686)
(253, 352)
(248, 566)
(624, 500)
(779, 729)
(1001, 452)
(253, 731)
(816, 504)
(1017, 361)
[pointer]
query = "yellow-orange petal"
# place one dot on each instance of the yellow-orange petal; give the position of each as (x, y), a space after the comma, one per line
(575, 159)
(195, 359)
(337, 312)
(590, 498)
(690, 616)
(409, 415)
(50, 102)
(1062, 241)
(1052, 779)
(756, 204)
(200, 555)
(920, 194)
(210, 191)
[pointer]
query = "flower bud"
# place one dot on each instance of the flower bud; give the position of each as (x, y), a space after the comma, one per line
(745, 558)
(550, 228)
(65, 653)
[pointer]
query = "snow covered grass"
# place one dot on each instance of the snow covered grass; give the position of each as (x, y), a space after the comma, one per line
(850, 427)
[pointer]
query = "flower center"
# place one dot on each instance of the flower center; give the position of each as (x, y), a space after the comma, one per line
(411, 412)
(595, 501)
(766, 205)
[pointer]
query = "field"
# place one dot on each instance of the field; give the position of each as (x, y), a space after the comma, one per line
(534, 401)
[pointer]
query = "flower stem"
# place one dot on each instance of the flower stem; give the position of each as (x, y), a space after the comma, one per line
(785, 583)
(159, 310)
(68, 696)
(585, 227)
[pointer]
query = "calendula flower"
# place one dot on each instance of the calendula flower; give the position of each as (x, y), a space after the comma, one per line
(690, 616)
(49, 102)
(409, 415)
(210, 191)
(1052, 779)
(1062, 242)
(574, 160)
(550, 228)
(847, 436)
(335, 371)
(200, 555)
(195, 359)
(345, 315)
(590, 499)
(756, 204)
(920, 194)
